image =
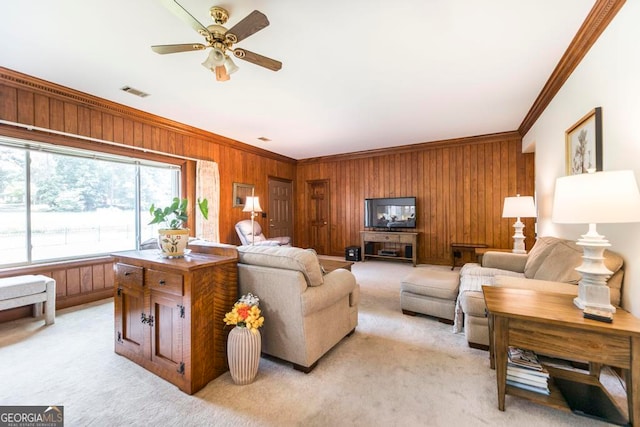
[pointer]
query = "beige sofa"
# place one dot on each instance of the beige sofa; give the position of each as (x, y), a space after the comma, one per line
(306, 312)
(549, 266)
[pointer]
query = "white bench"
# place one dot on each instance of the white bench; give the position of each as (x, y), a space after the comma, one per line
(19, 291)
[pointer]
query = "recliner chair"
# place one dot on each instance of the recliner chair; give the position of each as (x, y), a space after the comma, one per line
(257, 238)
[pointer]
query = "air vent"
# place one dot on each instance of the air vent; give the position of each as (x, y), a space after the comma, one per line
(134, 91)
(264, 139)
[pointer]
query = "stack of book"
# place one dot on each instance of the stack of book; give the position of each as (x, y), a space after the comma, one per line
(525, 371)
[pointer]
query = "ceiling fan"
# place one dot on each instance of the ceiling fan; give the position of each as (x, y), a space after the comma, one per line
(220, 40)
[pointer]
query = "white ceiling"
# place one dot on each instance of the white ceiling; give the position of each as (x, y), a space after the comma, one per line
(356, 75)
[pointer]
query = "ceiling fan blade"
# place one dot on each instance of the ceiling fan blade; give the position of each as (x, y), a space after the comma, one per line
(260, 60)
(175, 48)
(175, 8)
(251, 24)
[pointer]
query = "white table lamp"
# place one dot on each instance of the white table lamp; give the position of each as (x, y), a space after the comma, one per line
(591, 198)
(519, 207)
(252, 204)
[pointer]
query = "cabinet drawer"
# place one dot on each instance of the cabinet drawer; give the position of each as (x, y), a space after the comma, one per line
(382, 237)
(128, 275)
(405, 238)
(166, 282)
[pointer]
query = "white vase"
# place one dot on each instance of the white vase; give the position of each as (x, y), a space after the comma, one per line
(243, 354)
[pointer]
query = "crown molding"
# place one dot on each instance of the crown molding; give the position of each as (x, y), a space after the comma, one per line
(457, 142)
(599, 17)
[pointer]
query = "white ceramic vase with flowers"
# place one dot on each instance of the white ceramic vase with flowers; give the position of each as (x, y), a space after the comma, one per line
(244, 343)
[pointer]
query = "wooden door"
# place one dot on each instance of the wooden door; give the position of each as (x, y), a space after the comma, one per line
(280, 212)
(318, 210)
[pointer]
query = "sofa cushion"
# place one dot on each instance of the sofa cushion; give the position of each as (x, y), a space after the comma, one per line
(537, 255)
(19, 286)
(289, 258)
(560, 263)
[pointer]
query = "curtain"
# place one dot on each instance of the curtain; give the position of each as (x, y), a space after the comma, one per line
(208, 187)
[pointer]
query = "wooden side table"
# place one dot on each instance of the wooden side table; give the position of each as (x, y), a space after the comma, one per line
(333, 264)
(458, 248)
(550, 324)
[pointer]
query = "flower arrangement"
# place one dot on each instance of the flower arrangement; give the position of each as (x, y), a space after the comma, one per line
(245, 313)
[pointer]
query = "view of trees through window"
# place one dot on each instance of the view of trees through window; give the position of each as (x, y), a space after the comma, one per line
(65, 205)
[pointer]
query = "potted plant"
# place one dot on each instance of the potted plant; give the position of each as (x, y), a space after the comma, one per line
(173, 238)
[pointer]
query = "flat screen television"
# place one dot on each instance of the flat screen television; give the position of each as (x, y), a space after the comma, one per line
(390, 212)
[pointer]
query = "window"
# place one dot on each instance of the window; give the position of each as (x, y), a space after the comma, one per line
(59, 203)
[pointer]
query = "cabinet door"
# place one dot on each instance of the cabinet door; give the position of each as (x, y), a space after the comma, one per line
(167, 331)
(130, 331)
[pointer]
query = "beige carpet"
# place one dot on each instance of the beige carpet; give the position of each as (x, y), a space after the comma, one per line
(395, 370)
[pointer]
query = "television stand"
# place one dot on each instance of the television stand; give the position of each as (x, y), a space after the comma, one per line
(396, 245)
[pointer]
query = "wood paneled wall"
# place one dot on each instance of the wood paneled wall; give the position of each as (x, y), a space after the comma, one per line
(125, 131)
(460, 184)
(460, 187)
(131, 132)
(77, 282)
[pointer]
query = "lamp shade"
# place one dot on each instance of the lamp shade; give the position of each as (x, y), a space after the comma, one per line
(519, 207)
(252, 204)
(215, 59)
(596, 198)
(230, 66)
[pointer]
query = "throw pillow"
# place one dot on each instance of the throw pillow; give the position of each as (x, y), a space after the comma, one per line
(538, 254)
(560, 265)
(613, 261)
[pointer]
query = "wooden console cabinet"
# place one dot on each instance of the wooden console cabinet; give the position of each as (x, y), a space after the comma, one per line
(390, 245)
(168, 314)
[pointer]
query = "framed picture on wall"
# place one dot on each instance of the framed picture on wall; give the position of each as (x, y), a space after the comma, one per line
(240, 193)
(584, 144)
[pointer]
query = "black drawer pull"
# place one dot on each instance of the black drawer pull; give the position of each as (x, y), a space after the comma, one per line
(161, 282)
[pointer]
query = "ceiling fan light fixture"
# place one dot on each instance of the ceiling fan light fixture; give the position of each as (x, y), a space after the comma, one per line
(230, 66)
(219, 39)
(215, 59)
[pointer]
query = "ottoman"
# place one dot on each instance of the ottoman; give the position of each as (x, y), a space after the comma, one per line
(430, 292)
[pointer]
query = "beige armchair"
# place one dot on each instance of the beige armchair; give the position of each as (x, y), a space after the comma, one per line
(306, 313)
(257, 238)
